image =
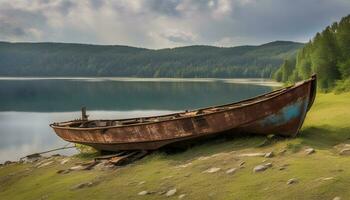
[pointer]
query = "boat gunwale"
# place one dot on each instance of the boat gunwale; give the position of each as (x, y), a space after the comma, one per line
(278, 92)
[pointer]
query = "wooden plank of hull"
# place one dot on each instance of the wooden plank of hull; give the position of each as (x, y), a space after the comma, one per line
(282, 114)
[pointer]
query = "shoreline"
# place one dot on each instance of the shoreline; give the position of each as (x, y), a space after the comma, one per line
(252, 167)
(253, 81)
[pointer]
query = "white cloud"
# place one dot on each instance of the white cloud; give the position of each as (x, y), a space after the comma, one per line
(160, 24)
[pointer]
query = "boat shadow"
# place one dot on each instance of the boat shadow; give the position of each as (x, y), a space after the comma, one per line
(320, 137)
(222, 143)
(324, 137)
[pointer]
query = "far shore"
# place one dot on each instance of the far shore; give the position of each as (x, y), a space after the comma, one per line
(252, 81)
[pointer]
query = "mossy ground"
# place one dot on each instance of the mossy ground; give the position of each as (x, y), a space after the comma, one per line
(327, 125)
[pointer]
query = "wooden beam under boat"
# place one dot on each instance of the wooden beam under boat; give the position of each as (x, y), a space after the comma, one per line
(279, 112)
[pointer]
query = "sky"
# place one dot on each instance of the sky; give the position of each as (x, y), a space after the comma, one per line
(167, 23)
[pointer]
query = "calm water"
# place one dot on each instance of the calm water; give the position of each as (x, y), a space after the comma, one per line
(28, 106)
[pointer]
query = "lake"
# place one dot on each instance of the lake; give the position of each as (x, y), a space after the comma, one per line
(29, 105)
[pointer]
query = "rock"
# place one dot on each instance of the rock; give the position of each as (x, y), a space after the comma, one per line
(281, 168)
(231, 171)
(64, 161)
(75, 168)
(142, 182)
(328, 178)
(184, 165)
(204, 158)
(345, 152)
(162, 192)
(170, 192)
(309, 151)
(105, 165)
(40, 163)
(82, 185)
(181, 196)
(260, 168)
(268, 165)
(336, 198)
(45, 164)
(283, 151)
(292, 181)
(252, 155)
(212, 170)
(143, 193)
(269, 155)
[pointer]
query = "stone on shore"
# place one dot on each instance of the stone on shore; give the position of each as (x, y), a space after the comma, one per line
(328, 178)
(171, 192)
(292, 181)
(309, 151)
(184, 165)
(252, 155)
(231, 171)
(181, 196)
(64, 161)
(336, 198)
(76, 168)
(268, 165)
(269, 155)
(142, 193)
(212, 170)
(282, 152)
(260, 168)
(345, 152)
(82, 185)
(45, 164)
(141, 182)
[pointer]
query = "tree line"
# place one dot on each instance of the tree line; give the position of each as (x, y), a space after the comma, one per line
(327, 55)
(62, 59)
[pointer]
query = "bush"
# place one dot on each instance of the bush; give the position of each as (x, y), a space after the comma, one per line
(342, 86)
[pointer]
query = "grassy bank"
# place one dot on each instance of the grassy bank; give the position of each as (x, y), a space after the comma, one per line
(322, 175)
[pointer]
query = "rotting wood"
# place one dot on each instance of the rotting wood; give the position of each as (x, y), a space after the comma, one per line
(122, 158)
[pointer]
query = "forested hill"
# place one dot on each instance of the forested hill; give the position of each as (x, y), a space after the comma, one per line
(327, 54)
(63, 59)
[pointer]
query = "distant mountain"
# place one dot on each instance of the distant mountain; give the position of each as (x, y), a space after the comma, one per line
(64, 59)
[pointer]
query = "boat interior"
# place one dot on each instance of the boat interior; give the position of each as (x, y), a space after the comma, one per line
(85, 123)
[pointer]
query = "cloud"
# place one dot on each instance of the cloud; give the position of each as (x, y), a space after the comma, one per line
(170, 23)
(178, 36)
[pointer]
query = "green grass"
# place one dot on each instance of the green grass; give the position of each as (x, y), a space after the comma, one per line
(327, 125)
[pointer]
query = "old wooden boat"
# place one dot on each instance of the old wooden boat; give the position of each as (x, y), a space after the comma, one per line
(279, 112)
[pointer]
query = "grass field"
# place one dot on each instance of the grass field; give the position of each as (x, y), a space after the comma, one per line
(322, 175)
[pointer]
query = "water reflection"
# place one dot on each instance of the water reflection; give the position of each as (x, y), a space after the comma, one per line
(27, 107)
(70, 95)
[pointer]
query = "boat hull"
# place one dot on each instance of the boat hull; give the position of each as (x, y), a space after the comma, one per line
(281, 113)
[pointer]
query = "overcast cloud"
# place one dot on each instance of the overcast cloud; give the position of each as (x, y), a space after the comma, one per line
(167, 23)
